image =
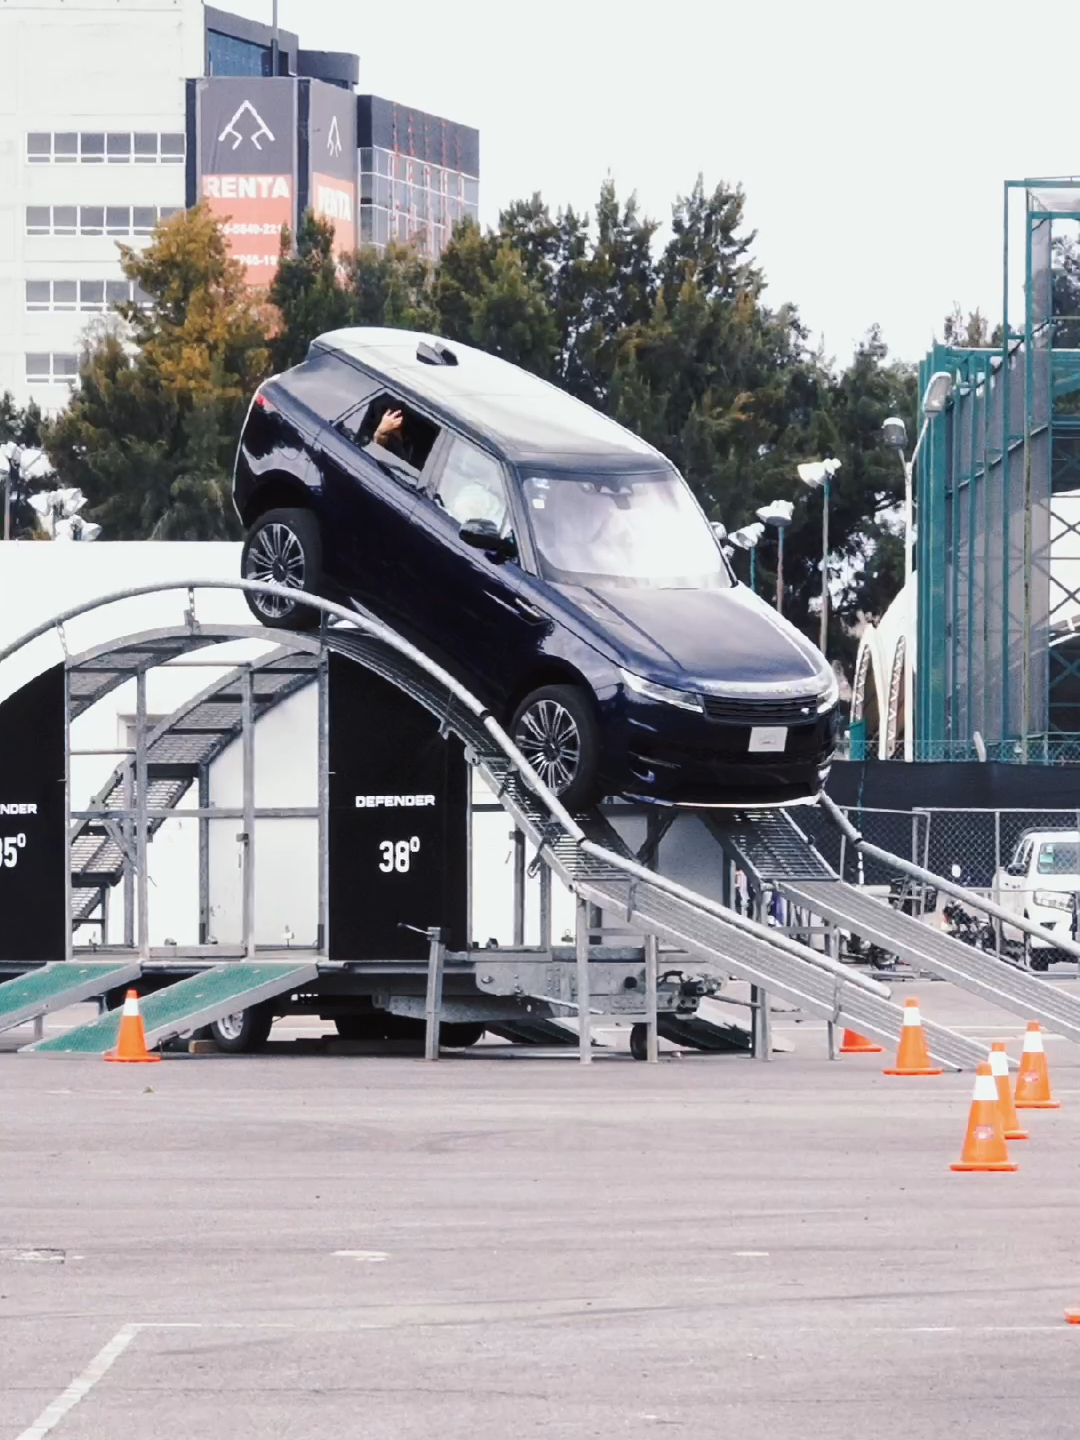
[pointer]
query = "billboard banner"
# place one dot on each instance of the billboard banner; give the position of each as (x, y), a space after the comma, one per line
(332, 150)
(247, 165)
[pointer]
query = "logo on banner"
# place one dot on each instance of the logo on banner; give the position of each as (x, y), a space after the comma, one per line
(255, 135)
(333, 140)
(247, 187)
(334, 203)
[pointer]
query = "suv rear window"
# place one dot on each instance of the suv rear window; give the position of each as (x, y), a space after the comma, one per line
(327, 386)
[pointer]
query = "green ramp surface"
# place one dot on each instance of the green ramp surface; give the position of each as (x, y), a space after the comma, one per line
(54, 987)
(186, 1006)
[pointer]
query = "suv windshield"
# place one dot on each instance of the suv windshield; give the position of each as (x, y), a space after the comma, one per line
(636, 529)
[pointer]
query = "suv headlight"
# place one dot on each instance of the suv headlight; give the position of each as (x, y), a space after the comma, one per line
(1053, 899)
(650, 690)
(830, 695)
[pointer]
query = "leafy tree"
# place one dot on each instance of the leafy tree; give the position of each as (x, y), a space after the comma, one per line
(307, 292)
(151, 433)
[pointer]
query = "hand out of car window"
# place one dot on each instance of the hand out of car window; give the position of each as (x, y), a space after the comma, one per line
(389, 428)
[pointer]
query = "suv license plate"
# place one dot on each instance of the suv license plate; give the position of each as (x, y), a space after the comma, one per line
(768, 739)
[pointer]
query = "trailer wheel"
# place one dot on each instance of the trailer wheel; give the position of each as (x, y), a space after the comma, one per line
(242, 1032)
(460, 1036)
(639, 1042)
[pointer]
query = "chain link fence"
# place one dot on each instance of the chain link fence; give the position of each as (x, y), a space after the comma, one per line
(1026, 860)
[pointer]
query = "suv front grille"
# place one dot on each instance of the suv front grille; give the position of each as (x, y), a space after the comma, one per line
(800, 710)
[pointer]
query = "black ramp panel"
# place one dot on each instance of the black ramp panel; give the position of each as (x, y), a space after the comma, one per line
(398, 822)
(33, 897)
(853, 909)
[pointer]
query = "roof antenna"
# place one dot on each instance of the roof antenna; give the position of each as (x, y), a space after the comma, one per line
(437, 354)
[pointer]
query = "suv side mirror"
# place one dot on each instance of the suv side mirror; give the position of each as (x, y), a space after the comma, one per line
(484, 535)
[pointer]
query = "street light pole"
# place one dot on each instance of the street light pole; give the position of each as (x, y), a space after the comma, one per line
(779, 514)
(819, 473)
(825, 566)
(935, 398)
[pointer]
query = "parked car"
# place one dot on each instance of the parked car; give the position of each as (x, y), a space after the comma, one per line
(560, 567)
(1040, 883)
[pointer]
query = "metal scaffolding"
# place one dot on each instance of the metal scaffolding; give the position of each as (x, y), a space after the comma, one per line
(998, 600)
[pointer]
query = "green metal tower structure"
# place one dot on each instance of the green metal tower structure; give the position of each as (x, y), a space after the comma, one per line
(998, 536)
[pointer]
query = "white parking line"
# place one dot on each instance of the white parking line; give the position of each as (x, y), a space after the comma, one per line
(81, 1386)
(105, 1359)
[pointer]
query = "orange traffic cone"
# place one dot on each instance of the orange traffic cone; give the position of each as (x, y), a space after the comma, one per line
(984, 1143)
(131, 1042)
(1072, 1317)
(912, 1058)
(1033, 1081)
(999, 1068)
(855, 1044)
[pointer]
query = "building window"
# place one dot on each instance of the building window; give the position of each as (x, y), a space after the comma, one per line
(91, 147)
(227, 55)
(413, 202)
(92, 296)
(122, 220)
(55, 369)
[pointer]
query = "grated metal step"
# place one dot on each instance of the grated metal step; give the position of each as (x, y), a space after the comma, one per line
(54, 987)
(187, 1006)
(768, 844)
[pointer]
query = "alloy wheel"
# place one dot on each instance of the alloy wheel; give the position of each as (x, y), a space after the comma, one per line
(547, 735)
(276, 557)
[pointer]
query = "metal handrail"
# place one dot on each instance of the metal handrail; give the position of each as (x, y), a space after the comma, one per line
(555, 807)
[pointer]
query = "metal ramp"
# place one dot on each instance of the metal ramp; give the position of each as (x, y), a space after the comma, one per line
(187, 1006)
(55, 987)
(770, 845)
(600, 869)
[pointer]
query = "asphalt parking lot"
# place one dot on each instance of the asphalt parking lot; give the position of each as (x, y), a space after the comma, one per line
(313, 1246)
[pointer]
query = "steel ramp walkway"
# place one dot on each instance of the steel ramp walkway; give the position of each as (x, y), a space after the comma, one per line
(55, 987)
(776, 851)
(186, 1006)
(919, 944)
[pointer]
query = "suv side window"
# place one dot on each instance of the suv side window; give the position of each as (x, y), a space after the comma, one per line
(403, 451)
(472, 486)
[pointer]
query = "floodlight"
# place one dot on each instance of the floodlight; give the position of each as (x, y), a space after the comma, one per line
(749, 536)
(777, 512)
(34, 465)
(895, 432)
(938, 390)
(719, 529)
(76, 528)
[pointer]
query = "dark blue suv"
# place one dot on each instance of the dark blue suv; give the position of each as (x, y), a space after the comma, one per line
(554, 562)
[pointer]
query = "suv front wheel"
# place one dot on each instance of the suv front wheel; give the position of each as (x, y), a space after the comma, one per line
(284, 548)
(556, 731)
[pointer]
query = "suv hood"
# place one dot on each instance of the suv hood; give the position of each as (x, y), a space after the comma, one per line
(698, 638)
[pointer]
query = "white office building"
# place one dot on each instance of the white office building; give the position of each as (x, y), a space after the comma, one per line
(92, 151)
(98, 139)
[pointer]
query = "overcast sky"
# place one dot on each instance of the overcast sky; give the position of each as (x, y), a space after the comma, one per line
(853, 126)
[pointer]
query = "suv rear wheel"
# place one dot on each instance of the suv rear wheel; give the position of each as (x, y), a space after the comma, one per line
(555, 729)
(284, 548)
